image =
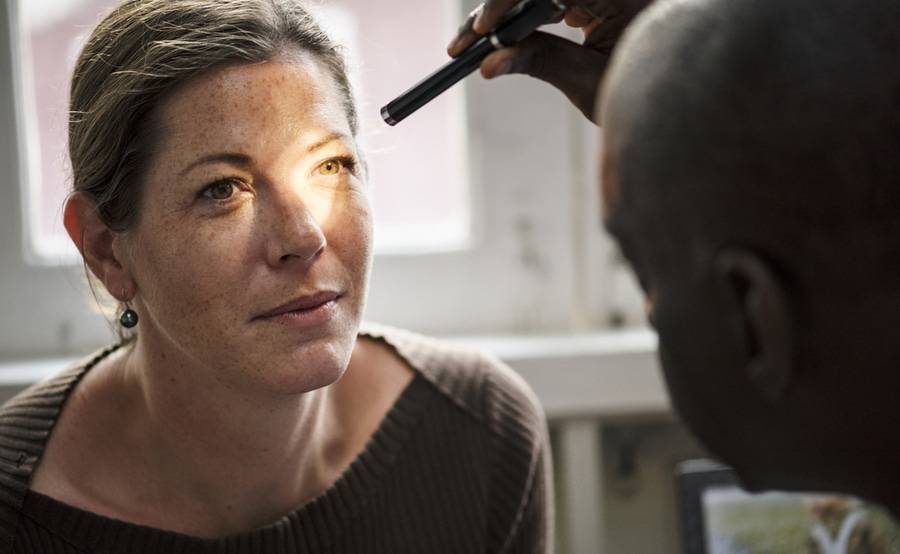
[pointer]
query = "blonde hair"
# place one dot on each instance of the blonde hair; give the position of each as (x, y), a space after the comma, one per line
(145, 49)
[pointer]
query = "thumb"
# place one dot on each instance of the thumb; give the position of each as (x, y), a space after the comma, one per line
(574, 69)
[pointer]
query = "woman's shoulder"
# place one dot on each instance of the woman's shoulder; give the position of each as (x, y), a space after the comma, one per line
(477, 382)
(28, 418)
(505, 429)
(26, 421)
(44, 399)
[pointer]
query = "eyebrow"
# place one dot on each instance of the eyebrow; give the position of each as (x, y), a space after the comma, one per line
(326, 140)
(233, 158)
(244, 161)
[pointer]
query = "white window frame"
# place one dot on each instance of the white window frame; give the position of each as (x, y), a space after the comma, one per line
(538, 261)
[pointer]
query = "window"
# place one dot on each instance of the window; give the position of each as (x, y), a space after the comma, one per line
(413, 213)
(486, 199)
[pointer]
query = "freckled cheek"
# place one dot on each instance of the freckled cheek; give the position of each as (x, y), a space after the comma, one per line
(188, 266)
(328, 205)
(350, 234)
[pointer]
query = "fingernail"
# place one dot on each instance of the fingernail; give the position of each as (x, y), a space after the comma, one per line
(452, 46)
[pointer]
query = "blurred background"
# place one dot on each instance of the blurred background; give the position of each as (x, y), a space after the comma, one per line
(488, 233)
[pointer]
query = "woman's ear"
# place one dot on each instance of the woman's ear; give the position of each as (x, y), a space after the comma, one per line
(96, 243)
(767, 317)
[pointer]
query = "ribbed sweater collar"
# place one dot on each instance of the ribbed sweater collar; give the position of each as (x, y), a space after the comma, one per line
(27, 423)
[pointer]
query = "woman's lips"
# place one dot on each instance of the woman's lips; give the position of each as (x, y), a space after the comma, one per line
(305, 311)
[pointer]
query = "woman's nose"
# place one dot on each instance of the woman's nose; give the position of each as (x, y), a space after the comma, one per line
(296, 234)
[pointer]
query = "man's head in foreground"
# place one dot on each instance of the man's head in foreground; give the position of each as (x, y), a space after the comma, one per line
(751, 172)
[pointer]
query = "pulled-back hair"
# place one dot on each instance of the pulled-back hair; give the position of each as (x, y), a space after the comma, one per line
(145, 49)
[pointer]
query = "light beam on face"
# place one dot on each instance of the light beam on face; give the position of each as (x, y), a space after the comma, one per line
(255, 200)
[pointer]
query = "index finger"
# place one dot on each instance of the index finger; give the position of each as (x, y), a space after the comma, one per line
(491, 13)
(465, 36)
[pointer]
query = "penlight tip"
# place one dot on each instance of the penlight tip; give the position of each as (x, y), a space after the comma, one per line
(386, 116)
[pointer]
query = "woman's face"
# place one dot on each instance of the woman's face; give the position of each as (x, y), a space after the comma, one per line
(252, 251)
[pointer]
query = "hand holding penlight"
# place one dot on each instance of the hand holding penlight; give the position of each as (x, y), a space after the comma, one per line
(523, 20)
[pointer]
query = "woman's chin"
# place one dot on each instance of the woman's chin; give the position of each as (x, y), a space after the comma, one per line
(308, 367)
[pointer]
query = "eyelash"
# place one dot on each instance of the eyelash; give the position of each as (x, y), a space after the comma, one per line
(347, 162)
(206, 191)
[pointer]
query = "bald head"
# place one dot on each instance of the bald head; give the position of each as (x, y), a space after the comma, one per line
(751, 170)
(770, 123)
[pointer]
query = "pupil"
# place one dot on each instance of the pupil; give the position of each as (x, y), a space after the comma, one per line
(222, 190)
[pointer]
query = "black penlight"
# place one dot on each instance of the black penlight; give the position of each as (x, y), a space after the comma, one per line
(521, 21)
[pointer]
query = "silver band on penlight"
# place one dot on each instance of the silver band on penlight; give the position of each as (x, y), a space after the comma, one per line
(386, 116)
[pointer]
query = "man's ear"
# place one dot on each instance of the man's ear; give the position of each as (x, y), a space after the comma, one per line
(96, 242)
(767, 317)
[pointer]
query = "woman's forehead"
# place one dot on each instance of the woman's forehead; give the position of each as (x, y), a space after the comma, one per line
(277, 100)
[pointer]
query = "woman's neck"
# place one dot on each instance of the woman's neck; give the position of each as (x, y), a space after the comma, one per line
(153, 443)
(242, 458)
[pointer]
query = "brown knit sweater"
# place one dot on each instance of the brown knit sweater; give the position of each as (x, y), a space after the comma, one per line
(460, 464)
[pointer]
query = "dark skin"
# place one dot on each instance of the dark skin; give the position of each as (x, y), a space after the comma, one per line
(775, 338)
(575, 69)
(777, 341)
(794, 398)
(729, 312)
